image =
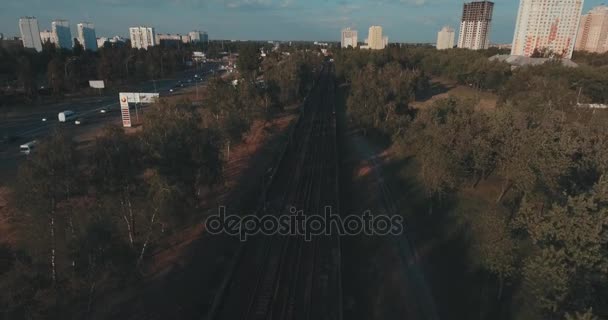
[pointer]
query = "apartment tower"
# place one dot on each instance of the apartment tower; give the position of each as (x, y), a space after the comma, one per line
(30, 33)
(62, 36)
(349, 38)
(142, 37)
(546, 25)
(198, 36)
(86, 36)
(445, 38)
(593, 31)
(375, 40)
(475, 25)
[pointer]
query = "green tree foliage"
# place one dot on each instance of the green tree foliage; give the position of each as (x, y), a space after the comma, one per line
(379, 98)
(47, 179)
(526, 181)
(89, 224)
(185, 153)
(248, 62)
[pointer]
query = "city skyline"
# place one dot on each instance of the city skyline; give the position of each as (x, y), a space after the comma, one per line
(405, 20)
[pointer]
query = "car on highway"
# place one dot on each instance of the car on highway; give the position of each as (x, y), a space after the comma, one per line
(66, 116)
(103, 111)
(27, 148)
(43, 119)
(79, 121)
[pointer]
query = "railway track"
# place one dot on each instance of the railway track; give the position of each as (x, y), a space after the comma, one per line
(286, 276)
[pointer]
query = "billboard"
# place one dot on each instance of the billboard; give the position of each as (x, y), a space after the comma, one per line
(97, 84)
(124, 110)
(133, 97)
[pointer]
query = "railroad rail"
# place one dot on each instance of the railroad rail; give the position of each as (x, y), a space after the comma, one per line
(286, 277)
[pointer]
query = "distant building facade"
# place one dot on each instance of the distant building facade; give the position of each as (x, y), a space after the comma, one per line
(30, 33)
(549, 25)
(375, 40)
(62, 36)
(86, 36)
(198, 36)
(445, 38)
(349, 38)
(142, 37)
(47, 36)
(169, 40)
(114, 41)
(593, 31)
(475, 25)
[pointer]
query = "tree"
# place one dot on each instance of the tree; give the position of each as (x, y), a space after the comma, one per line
(117, 160)
(186, 155)
(45, 180)
(26, 76)
(78, 48)
(248, 62)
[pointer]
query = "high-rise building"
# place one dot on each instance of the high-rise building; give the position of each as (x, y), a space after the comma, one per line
(198, 36)
(349, 38)
(86, 36)
(142, 37)
(62, 36)
(30, 33)
(445, 38)
(546, 25)
(593, 31)
(46, 36)
(375, 40)
(475, 25)
(169, 40)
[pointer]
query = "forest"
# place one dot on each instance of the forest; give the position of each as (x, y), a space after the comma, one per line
(27, 75)
(517, 195)
(87, 219)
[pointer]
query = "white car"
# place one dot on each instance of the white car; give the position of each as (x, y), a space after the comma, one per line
(43, 119)
(103, 111)
(78, 122)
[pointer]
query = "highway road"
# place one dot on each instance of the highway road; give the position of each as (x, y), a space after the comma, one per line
(21, 126)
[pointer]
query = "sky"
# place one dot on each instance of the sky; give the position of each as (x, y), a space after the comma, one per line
(322, 20)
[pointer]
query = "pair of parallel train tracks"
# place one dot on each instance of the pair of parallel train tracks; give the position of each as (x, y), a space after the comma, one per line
(284, 276)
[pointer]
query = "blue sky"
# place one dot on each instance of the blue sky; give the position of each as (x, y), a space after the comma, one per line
(402, 20)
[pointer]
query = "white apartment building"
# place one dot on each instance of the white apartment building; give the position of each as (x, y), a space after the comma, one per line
(593, 31)
(475, 25)
(46, 35)
(142, 37)
(86, 36)
(349, 38)
(445, 38)
(62, 35)
(375, 40)
(30, 33)
(549, 25)
(198, 36)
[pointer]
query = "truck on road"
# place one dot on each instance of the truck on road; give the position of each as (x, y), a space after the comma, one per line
(67, 115)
